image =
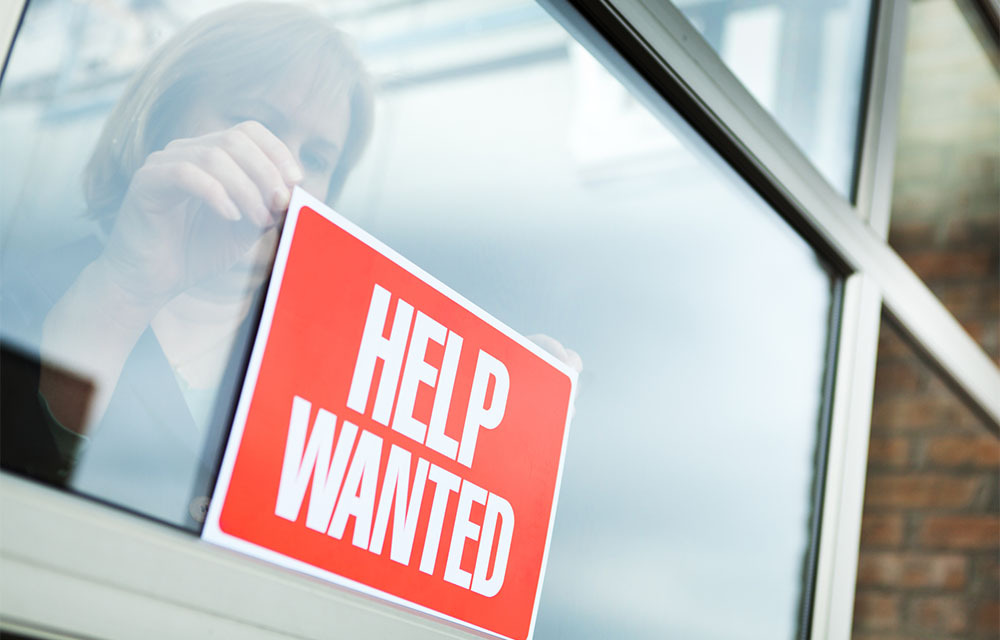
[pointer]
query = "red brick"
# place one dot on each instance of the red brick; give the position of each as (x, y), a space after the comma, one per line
(987, 618)
(972, 451)
(881, 530)
(962, 231)
(961, 532)
(899, 377)
(892, 451)
(968, 299)
(987, 568)
(906, 413)
(891, 346)
(940, 613)
(953, 417)
(981, 332)
(963, 263)
(877, 611)
(945, 394)
(945, 569)
(914, 490)
(906, 235)
(912, 570)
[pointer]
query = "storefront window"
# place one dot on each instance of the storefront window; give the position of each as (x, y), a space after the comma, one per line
(532, 173)
(140, 223)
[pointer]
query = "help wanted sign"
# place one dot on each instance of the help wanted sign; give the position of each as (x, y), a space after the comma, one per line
(392, 437)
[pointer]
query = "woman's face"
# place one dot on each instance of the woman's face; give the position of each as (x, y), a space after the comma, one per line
(314, 128)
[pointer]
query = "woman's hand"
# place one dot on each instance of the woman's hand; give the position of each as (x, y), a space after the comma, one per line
(567, 356)
(194, 209)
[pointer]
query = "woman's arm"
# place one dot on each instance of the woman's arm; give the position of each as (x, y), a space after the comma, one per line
(191, 212)
(90, 331)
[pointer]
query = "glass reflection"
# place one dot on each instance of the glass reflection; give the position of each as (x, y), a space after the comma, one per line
(141, 325)
(550, 193)
(803, 62)
(564, 200)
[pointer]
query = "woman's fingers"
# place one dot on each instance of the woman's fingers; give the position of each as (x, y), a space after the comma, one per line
(174, 224)
(261, 169)
(195, 181)
(273, 148)
(574, 360)
(244, 191)
(567, 356)
(213, 160)
(251, 163)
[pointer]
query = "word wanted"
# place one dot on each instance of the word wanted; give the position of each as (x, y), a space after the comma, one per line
(343, 461)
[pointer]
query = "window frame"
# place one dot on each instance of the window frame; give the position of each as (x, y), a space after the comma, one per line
(66, 562)
(851, 234)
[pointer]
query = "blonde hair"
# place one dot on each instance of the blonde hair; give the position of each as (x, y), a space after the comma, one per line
(219, 55)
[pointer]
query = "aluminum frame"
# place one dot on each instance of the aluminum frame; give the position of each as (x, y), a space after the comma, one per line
(759, 149)
(67, 561)
(847, 461)
(10, 18)
(85, 556)
(877, 153)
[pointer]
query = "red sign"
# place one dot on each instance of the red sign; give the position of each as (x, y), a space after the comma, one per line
(391, 436)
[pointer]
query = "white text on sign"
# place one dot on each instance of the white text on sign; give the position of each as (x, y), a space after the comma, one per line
(344, 464)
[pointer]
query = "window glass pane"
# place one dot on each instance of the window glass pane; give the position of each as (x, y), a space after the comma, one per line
(509, 162)
(930, 535)
(803, 62)
(612, 229)
(140, 213)
(946, 186)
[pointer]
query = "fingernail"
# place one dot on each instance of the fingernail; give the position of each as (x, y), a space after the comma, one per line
(280, 198)
(294, 173)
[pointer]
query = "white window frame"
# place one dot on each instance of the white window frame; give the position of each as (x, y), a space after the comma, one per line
(856, 233)
(73, 568)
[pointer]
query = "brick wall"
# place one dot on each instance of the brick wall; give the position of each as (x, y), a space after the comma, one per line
(929, 565)
(930, 536)
(946, 185)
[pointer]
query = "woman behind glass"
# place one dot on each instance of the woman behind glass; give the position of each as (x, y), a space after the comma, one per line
(143, 331)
